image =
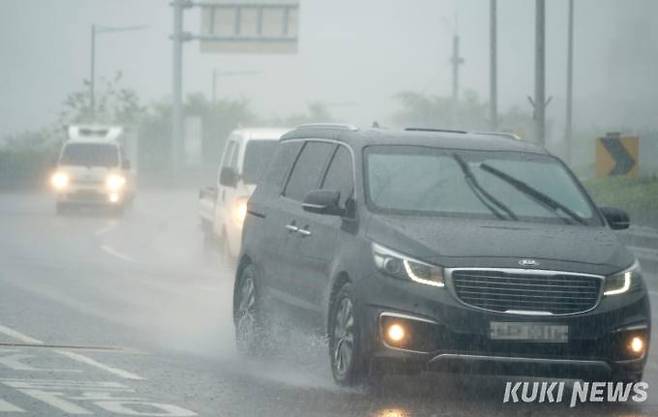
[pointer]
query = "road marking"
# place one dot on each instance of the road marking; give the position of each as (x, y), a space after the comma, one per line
(6, 407)
(89, 361)
(15, 360)
(107, 228)
(19, 336)
(53, 399)
(116, 254)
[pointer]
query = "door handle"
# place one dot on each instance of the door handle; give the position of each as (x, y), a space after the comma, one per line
(292, 228)
(304, 232)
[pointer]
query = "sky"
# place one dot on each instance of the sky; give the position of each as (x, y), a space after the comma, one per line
(354, 55)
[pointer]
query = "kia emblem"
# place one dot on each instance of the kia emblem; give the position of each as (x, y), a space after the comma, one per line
(528, 262)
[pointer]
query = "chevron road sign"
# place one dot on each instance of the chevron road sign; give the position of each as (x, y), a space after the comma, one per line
(617, 155)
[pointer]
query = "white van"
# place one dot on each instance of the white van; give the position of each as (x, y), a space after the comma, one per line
(93, 170)
(223, 206)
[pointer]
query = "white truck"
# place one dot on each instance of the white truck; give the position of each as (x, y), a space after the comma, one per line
(223, 205)
(93, 170)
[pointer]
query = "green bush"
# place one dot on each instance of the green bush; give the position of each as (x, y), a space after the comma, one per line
(638, 196)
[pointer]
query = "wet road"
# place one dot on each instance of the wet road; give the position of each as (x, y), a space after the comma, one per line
(131, 317)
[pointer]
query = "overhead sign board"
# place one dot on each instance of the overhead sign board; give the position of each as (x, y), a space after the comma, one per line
(249, 26)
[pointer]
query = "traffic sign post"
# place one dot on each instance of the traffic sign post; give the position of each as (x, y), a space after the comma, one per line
(230, 26)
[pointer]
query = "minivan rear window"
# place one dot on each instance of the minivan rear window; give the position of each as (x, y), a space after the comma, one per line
(90, 154)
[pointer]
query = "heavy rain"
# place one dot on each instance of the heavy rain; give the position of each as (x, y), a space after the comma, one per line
(328, 208)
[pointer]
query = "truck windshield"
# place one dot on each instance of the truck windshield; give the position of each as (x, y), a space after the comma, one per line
(505, 185)
(257, 157)
(90, 154)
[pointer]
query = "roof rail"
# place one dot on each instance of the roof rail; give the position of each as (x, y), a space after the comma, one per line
(506, 135)
(427, 129)
(337, 126)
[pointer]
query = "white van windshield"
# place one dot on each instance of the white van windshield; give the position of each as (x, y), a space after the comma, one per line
(90, 154)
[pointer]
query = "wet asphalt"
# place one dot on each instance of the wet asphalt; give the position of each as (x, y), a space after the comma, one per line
(130, 316)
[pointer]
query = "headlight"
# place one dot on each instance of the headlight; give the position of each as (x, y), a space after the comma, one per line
(115, 182)
(620, 282)
(239, 210)
(59, 180)
(403, 267)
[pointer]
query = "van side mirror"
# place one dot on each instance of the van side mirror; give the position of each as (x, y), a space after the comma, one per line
(228, 177)
(323, 202)
(616, 218)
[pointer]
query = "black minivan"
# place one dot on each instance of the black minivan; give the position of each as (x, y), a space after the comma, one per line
(439, 250)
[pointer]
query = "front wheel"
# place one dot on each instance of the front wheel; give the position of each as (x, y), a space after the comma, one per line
(248, 313)
(347, 364)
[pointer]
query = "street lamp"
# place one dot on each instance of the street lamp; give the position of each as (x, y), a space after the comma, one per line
(96, 30)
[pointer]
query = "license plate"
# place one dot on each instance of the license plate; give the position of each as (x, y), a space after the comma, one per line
(531, 332)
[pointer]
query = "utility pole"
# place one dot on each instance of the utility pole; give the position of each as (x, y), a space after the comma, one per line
(568, 134)
(493, 64)
(178, 38)
(540, 76)
(92, 75)
(456, 61)
(214, 86)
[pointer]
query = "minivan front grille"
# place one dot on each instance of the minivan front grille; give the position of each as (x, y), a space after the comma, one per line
(527, 291)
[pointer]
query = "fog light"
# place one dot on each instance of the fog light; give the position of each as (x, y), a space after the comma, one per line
(395, 333)
(636, 345)
(114, 197)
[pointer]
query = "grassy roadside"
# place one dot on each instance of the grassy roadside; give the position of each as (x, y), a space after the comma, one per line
(638, 196)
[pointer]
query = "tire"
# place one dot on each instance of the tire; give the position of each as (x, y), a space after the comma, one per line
(348, 366)
(248, 314)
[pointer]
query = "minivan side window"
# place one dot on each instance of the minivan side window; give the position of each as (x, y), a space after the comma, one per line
(340, 176)
(284, 157)
(308, 169)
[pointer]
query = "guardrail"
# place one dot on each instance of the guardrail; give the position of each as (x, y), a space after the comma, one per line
(643, 241)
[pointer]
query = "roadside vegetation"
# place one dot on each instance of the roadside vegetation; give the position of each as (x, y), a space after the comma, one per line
(638, 196)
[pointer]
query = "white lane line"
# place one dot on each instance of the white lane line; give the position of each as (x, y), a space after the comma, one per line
(75, 356)
(6, 407)
(109, 250)
(106, 229)
(19, 336)
(89, 361)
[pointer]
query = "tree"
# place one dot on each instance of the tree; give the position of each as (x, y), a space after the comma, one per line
(470, 113)
(114, 105)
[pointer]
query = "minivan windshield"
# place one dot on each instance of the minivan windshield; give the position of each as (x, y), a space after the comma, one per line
(257, 156)
(90, 155)
(420, 180)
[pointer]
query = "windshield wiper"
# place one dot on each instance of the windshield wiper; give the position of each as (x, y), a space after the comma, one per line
(546, 201)
(482, 194)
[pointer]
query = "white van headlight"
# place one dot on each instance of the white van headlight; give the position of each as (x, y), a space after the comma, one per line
(621, 282)
(60, 180)
(115, 182)
(239, 210)
(401, 266)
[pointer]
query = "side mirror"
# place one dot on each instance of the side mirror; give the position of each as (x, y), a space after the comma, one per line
(616, 218)
(228, 177)
(323, 202)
